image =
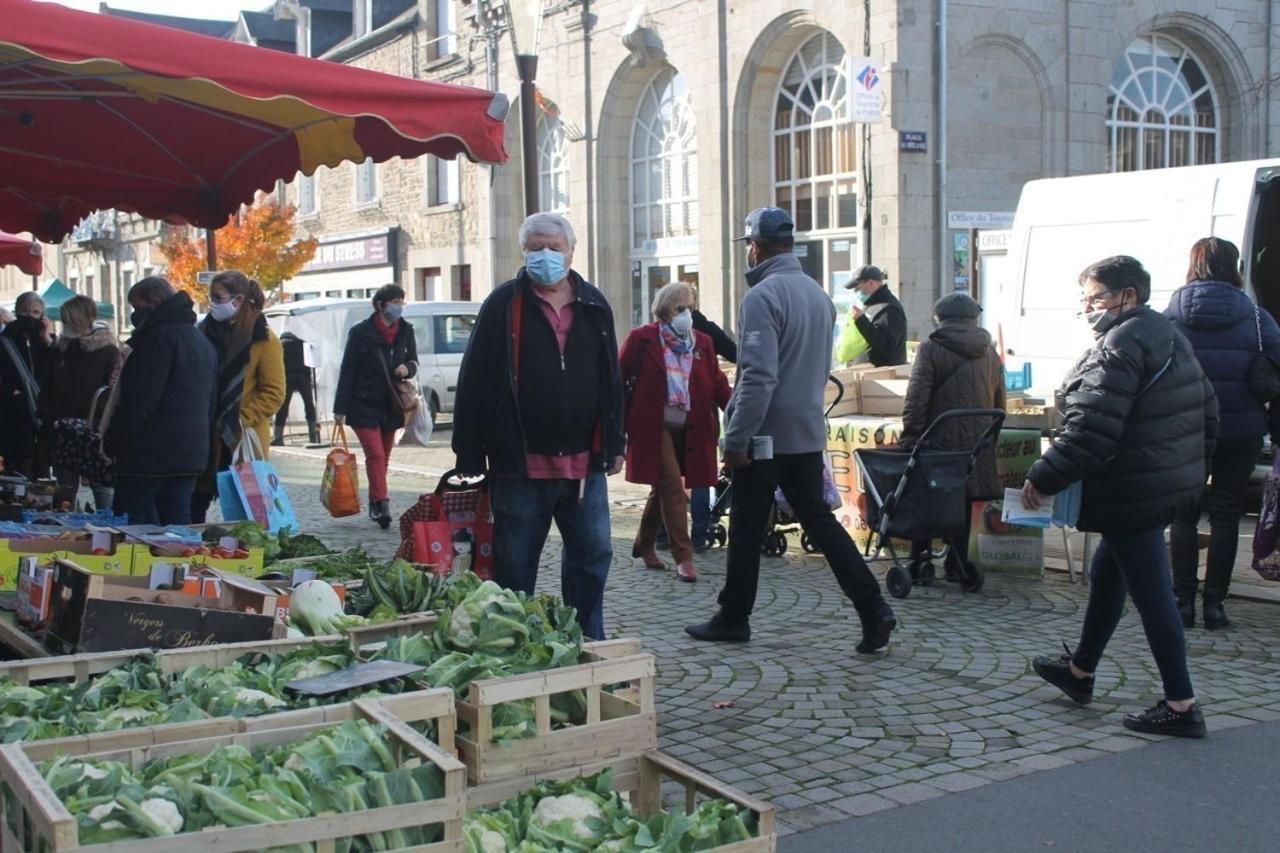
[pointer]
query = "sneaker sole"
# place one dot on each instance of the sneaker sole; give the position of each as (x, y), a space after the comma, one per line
(1074, 695)
(1198, 730)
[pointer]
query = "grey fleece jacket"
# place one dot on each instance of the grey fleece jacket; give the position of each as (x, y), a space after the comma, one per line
(784, 355)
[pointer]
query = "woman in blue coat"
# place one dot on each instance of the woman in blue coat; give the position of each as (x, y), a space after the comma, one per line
(1227, 330)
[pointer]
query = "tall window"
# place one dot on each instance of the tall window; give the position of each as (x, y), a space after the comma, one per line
(445, 42)
(443, 182)
(553, 166)
(307, 195)
(367, 182)
(814, 163)
(362, 22)
(1162, 110)
(664, 162)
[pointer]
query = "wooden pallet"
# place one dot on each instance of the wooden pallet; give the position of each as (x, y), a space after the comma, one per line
(642, 776)
(620, 721)
(43, 819)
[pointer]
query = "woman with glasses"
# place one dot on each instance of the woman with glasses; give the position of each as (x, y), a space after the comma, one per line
(1139, 420)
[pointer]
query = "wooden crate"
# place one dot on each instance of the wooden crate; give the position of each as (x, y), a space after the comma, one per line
(869, 390)
(642, 776)
(620, 722)
(42, 817)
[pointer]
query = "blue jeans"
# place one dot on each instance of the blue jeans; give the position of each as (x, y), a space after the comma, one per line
(154, 500)
(700, 514)
(1139, 564)
(523, 510)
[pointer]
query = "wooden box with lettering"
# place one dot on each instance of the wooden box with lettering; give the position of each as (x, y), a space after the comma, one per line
(100, 613)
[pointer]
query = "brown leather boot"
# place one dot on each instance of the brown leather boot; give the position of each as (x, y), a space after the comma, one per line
(686, 572)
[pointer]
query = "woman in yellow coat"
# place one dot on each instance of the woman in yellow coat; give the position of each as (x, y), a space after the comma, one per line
(251, 379)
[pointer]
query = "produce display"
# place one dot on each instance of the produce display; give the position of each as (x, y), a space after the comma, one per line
(351, 767)
(586, 813)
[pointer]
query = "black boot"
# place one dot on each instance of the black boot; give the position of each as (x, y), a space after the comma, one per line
(876, 630)
(1215, 618)
(277, 440)
(313, 432)
(1187, 610)
(375, 511)
(384, 514)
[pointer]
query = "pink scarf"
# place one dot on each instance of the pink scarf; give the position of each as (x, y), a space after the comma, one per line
(677, 355)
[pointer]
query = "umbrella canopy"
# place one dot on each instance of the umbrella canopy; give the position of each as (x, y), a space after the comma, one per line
(22, 253)
(56, 294)
(99, 112)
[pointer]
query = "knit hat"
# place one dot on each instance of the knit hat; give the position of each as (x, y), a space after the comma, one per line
(959, 306)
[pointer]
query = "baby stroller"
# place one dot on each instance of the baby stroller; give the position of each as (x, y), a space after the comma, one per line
(920, 494)
(781, 521)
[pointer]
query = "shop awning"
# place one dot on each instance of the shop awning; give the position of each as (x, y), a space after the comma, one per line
(99, 112)
(21, 253)
(55, 294)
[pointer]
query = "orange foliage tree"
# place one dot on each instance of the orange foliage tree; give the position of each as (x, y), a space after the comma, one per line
(259, 241)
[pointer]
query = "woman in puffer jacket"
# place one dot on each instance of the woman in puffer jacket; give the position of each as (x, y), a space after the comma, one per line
(1139, 420)
(1227, 331)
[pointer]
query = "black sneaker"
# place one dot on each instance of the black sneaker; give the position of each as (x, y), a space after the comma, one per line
(1215, 618)
(1187, 611)
(875, 634)
(1163, 720)
(1057, 671)
(717, 630)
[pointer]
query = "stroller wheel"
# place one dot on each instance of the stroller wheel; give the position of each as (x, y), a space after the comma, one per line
(806, 544)
(719, 536)
(926, 574)
(898, 582)
(774, 545)
(974, 578)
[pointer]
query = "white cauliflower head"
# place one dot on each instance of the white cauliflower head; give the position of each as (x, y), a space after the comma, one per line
(492, 842)
(99, 812)
(249, 696)
(573, 807)
(165, 814)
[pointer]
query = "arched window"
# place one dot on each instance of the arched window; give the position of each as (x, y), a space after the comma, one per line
(814, 164)
(553, 165)
(1162, 110)
(664, 163)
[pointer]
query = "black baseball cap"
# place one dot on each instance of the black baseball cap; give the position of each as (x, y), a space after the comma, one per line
(865, 273)
(768, 223)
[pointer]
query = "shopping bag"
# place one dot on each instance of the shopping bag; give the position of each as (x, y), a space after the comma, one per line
(230, 499)
(851, 344)
(417, 431)
(78, 445)
(340, 486)
(260, 490)
(1266, 539)
(450, 529)
(830, 494)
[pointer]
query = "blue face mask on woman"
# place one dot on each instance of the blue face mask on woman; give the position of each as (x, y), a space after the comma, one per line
(546, 267)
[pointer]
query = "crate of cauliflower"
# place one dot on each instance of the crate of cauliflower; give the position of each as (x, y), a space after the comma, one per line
(620, 811)
(369, 783)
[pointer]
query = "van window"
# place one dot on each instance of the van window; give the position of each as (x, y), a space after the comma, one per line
(1057, 254)
(451, 332)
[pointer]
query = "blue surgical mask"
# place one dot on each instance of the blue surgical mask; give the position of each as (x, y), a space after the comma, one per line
(223, 311)
(682, 323)
(391, 312)
(860, 297)
(546, 267)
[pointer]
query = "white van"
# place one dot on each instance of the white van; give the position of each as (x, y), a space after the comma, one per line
(442, 330)
(1064, 224)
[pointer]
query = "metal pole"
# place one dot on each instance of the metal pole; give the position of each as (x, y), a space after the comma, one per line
(210, 249)
(944, 236)
(527, 68)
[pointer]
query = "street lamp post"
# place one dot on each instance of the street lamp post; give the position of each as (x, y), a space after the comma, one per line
(526, 28)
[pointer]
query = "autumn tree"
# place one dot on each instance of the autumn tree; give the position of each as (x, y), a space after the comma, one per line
(259, 241)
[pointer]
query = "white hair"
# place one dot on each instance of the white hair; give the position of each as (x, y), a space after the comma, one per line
(28, 302)
(667, 296)
(546, 225)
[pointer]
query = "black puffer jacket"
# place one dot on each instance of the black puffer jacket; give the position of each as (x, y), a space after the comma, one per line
(159, 423)
(364, 394)
(956, 368)
(1137, 437)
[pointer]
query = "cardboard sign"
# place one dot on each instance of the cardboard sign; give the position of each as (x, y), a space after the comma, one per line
(994, 543)
(360, 675)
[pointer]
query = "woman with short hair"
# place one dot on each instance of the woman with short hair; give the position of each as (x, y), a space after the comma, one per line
(378, 349)
(674, 386)
(1227, 331)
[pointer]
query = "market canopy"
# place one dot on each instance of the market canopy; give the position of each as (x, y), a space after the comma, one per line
(103, 112)
(56, 294)
(22, 253)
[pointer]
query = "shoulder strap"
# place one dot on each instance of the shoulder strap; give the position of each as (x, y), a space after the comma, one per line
(1257, 322)
(517, 328)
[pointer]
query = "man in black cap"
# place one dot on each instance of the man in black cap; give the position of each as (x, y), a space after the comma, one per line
(879, 316)
(777, 433)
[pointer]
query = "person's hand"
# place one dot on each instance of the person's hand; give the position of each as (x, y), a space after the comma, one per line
(856, 310)
(1032, 498)
(46, 329)
(616, 467)
(339, 420)
(735, 459)
(402, 371)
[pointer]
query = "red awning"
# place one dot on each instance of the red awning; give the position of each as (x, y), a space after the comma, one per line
(99, 112)
(22, 253)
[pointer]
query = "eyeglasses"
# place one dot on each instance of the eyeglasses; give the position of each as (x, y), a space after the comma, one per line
(1090, 299)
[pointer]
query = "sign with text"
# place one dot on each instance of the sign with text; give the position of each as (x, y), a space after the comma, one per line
(866, 91)
(979, 219)
(351, 254)
(913, 140)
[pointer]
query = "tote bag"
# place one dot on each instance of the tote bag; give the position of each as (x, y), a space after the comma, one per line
(340, 485)
(260, 490)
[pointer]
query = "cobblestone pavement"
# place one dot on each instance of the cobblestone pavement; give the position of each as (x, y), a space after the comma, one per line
(825, 733)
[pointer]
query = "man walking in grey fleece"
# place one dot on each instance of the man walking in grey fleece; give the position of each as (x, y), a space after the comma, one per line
(784, 355)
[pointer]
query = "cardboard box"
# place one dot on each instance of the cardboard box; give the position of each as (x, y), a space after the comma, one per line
(35, 592)
(97, 551)
(97, 613)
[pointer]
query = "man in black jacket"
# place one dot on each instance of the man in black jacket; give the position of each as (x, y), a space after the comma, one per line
(880, 317)
(159, 415)
(539, 408)
(297, 379)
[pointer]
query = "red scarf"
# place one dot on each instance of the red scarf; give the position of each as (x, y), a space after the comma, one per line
(388, 331)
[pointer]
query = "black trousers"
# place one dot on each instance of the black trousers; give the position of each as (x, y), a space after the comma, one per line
(299, 383)
(800, 476)
(1230, 469)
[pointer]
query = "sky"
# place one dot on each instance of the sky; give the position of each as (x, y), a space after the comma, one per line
(226, 10)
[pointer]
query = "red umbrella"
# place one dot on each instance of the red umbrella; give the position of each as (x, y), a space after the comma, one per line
(98, 111)
(22, 253)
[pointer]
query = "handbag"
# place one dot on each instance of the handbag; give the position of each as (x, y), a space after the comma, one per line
(418, 428)
(405, 393)
(1266, 538)
(340, 485)
(257, 485)
(1264, 380)
(450, 529)
(78, 445)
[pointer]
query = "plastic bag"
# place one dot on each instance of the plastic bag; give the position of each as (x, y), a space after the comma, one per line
(340, 486)
(830, 494)
(417, 430)
(852, 344)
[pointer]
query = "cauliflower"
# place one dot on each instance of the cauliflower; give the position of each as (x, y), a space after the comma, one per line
(572, 807)
(99, 812)
(249, 696)
(312, 668)
(88, 771)
(164, 813)
(492, 842)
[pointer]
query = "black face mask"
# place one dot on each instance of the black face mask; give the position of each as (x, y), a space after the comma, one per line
(137, 318)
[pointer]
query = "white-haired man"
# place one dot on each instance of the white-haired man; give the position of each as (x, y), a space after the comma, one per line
(539, 409)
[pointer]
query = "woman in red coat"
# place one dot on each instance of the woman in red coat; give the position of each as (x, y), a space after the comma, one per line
(674, 386)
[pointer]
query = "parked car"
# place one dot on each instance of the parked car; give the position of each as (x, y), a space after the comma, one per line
(442, 330)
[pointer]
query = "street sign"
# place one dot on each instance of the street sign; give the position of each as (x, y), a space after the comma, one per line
(867, 87)
(913, 140)
(205, 277)
(971, 219)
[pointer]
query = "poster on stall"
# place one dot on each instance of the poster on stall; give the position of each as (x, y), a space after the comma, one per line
(994, 544)
(844, 436)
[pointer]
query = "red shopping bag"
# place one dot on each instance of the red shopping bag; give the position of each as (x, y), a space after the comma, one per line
(450, 529)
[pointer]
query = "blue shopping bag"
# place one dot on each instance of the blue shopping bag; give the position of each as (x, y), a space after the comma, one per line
(229, 497)
(258, 489)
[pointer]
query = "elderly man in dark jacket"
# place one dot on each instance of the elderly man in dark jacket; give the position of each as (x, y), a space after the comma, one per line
(879, 316)
(1139, 420)
(956, 368)
(159, 414)
(539, 408)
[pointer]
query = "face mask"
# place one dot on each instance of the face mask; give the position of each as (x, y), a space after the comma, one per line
(682, 323)
(860, 297)
(223, 311)
(137, 318)
(546, 267)
(392, 312)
